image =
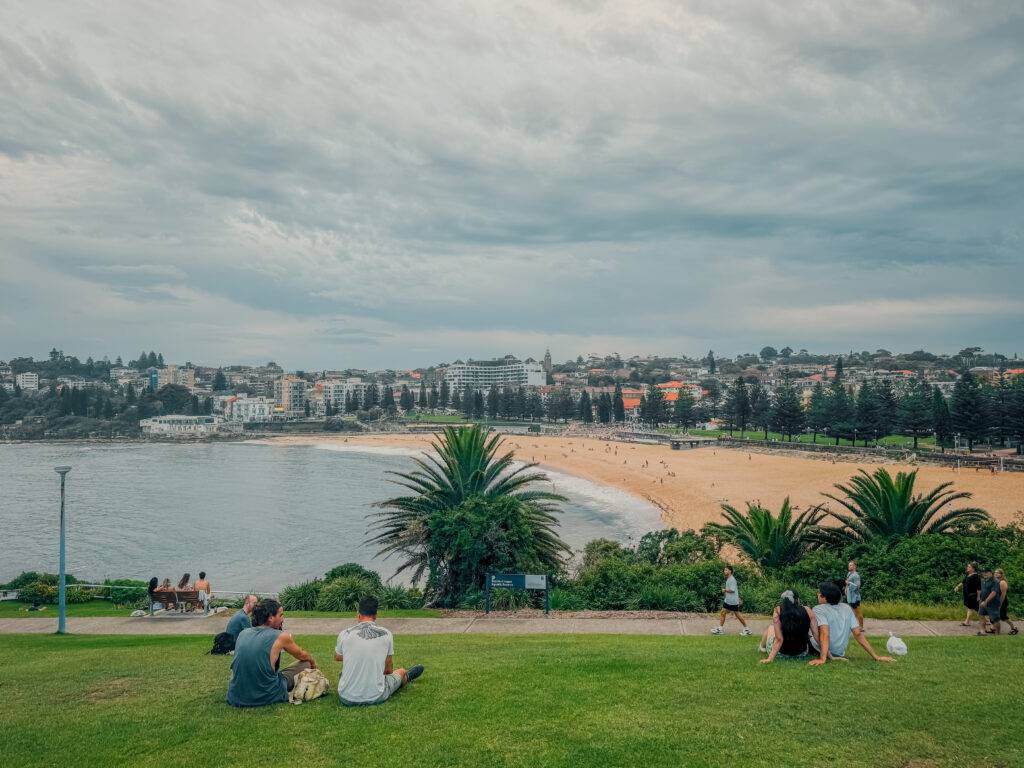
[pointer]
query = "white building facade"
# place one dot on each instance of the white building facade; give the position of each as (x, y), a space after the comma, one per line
(482, 375)
(176, 425)
(247, 410)
(28, 382)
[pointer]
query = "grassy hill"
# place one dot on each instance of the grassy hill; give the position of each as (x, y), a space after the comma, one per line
(521, 701)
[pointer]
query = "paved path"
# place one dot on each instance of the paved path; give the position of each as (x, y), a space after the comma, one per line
(502, 625)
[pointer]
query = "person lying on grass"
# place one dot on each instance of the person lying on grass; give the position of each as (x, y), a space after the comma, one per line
(789, 633)
(366, 652)
(836, 622)
(255, 679)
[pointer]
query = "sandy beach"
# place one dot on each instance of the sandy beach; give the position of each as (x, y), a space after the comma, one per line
(689, 486)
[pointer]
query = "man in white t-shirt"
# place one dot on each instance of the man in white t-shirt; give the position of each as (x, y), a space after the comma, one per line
(836, 622)
(731, 603)
(366, 652)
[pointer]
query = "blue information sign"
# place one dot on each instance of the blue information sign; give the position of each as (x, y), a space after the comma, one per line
(517, 581)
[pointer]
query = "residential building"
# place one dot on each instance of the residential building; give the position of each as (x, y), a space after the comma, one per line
(176, 425)
(29, 382)
(290, 395)
(483, 374)
(247, 409)
(336, 391)
(172, 374)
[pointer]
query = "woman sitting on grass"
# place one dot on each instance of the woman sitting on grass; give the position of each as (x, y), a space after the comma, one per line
(788, 634)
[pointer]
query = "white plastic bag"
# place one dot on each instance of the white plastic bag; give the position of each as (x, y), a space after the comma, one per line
(895, 646)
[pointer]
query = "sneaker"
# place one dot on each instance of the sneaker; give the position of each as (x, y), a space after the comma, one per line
(746, 632)
(716, 631)
(415, 672)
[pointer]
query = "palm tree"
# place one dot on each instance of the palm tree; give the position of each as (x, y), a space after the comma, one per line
(880, 506)
(770, 541)
(465, 465)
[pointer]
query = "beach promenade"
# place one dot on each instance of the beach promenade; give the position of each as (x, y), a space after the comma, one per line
(495, 624)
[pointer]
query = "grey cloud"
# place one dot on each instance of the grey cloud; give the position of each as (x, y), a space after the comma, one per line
(660, 173)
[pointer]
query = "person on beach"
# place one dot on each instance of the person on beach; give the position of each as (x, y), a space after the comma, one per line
(205, 591)
(788, 634)
(970, 586)
(853, 591)
(255, 679)
(988, 604)
(241, 619)
(836, 623)
(366, 651)
(731, 603)
(1004, 600)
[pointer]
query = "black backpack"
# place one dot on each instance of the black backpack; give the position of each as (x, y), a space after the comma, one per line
(223, 644)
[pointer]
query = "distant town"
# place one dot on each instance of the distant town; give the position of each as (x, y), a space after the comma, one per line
(966, 399)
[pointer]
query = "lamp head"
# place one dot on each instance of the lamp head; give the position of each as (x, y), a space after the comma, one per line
(62, 470)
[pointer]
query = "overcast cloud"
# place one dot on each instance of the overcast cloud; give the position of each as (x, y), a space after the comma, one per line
(398, 184)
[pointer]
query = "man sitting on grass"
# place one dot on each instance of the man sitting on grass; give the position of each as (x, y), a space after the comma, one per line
(255, 679)
(366, 652)
(836, 622)
(242, 619)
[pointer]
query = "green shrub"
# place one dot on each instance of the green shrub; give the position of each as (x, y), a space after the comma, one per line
(399, 598)
(301, 597)
(662, 597)
(566, 600)
(344, 594)
(32, 577)
(133, 592)
(37, 592)
(77, 595)
(353, 569)
(509, 599)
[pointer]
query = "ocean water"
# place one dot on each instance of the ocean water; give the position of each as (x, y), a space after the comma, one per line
(253, 516)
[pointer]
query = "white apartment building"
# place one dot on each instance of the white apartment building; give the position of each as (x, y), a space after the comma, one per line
(483, 374)
(335, 391)
(176, 425)
(290, 395)
(29, 382)
(247, 409)
(172, 374)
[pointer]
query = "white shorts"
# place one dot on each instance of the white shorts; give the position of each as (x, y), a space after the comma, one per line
(204, 597)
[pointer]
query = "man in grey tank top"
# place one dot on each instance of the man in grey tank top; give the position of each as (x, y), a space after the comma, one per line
(255, 679)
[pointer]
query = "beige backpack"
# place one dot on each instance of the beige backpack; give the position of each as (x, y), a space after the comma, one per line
(309, 684)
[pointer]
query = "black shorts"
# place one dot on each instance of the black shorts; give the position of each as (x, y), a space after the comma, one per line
(732, 608)
(856, 605)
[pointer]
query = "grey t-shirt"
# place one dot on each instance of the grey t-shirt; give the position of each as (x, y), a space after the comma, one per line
(988, 588)
(364, 650)
(254, 681)
(732, 594)
(853, 587)
(237, 623)
(840, 620)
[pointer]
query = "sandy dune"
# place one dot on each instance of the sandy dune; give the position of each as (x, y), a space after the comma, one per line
(689, 486)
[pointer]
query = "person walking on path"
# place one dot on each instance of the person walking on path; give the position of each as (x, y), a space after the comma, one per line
(988, 606)
(1004, 600)
(971, 589)
(853, 591)
(731, 603)
(255, 678)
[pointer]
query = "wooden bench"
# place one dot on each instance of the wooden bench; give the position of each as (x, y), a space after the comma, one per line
(181, 599)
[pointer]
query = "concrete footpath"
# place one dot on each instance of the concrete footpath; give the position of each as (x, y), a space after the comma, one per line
(501, 624)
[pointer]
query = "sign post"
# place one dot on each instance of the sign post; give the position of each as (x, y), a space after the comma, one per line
(536, 582)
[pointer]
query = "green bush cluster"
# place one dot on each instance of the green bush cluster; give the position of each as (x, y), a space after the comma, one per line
(682, 571)
(341, 589)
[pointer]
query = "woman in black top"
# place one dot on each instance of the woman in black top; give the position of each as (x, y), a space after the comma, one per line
(787, 636)
(971, 587)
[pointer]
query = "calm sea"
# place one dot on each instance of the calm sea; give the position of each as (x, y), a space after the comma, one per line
(253, 516)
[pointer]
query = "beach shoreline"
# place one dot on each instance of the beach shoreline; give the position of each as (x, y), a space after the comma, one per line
(689, 486)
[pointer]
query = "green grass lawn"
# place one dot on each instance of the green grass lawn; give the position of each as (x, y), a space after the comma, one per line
(11, 609)
(890, 441)
(521, 701)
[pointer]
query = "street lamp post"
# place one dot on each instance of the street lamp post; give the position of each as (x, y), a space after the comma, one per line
(61, 593)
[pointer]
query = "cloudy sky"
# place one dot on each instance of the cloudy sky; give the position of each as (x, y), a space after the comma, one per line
(398, 184)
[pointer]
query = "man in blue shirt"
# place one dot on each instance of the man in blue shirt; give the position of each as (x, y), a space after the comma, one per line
(853, 591)
(836, 622)
(242, 619)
